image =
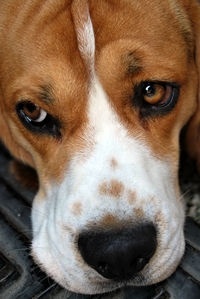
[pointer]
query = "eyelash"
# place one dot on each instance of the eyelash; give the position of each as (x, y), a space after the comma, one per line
(146, 109)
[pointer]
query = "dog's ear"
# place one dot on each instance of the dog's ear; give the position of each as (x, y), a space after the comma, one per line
(193, 129)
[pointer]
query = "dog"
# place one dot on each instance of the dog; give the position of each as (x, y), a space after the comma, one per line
(93, 96)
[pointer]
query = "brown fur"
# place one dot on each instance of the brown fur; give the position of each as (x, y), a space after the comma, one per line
(172, 63)
(113, 188)
(39, 48)
(41, 60)
(193, 131)
(108, 221)
(113, 163)
(132, 197)
(77, 208)
(26, 175)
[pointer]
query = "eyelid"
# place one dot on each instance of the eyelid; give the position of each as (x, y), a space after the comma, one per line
(164, 83)
(34, 99)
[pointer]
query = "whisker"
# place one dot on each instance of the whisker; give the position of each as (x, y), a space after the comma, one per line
(186, 192)
(19, 249)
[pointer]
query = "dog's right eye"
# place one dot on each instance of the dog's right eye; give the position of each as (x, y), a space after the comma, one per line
(37, 120)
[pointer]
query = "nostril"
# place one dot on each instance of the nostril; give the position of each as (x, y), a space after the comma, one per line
(139, 263)
(103, 268)
(108, 271)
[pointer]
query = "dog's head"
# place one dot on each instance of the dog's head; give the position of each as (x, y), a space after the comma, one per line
(94, 96)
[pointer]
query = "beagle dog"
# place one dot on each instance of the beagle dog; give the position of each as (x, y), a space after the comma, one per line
(93, 95)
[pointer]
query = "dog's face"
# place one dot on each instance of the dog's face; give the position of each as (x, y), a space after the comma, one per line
(95, 101)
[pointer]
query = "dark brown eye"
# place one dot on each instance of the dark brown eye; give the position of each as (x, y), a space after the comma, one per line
(155, 93)
(37, 120)
(155, 97)
(34, 112)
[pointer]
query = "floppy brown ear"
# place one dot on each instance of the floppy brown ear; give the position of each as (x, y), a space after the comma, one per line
(193, 130)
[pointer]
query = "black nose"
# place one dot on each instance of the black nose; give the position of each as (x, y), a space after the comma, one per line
(118, 254)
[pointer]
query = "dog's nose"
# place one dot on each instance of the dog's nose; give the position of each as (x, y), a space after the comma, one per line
(118, 254)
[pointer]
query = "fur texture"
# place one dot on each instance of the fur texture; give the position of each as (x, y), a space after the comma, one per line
(80, 61)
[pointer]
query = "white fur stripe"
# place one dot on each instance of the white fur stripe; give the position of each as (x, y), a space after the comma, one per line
(84, 31)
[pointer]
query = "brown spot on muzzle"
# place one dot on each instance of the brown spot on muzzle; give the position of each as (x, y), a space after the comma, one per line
(139, 213)
(113, 188)
(77, 208)
(113, 163)
(108, 221)
(160, 220)
(132, 197)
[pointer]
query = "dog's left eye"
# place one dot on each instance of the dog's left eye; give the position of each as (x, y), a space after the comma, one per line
(156, 93)
(155, 98)
(33, 112)
(37, 120)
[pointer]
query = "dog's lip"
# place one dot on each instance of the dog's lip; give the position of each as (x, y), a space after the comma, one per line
(99, 287)
(155, 276)
(103, 285)
(99, 283)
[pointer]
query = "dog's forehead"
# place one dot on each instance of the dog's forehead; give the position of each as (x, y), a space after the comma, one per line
(126, 39)
(135, 37)
(163, 27)
(154, 22)
(160, 23)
